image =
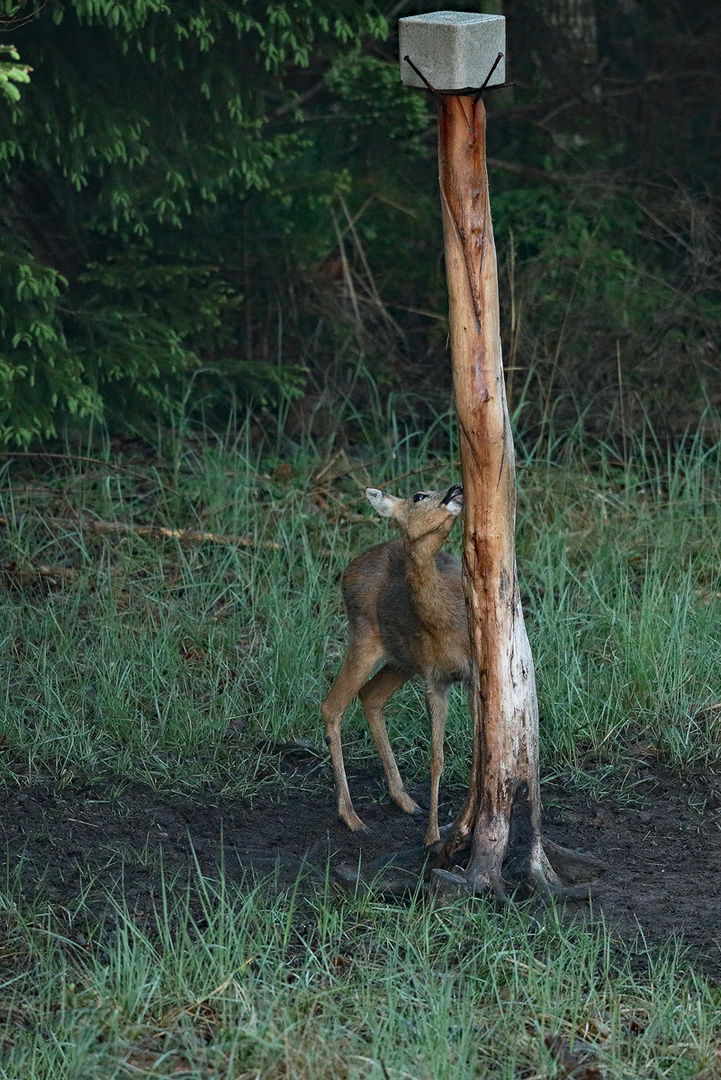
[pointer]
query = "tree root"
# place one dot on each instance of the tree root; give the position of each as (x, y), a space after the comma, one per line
(536, 872)
(573, 865)
(445, 885)
(400, 872)
(396, 874)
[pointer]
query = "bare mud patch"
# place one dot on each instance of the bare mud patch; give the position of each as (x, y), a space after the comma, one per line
(662, 845)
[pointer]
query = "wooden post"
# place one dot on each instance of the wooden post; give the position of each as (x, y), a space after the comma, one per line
(504, 793)
(449, 52)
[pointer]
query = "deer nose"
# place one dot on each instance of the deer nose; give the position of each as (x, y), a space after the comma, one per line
(452, 493)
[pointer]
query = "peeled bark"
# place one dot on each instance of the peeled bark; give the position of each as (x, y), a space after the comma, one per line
(502, 812)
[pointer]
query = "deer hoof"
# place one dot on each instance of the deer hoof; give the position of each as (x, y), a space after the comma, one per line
(353, 822)
(407, 804)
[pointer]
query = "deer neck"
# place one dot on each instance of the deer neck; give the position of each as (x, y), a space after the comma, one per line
(428, 594)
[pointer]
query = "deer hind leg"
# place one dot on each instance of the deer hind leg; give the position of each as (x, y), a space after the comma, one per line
(361, 658)
(374, 696)
(437, 704)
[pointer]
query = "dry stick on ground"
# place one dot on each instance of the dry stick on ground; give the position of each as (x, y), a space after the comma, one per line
(502, 813)
(157, 532)
(52, 573)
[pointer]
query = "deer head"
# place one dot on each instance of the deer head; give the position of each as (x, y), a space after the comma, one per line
(426, 514)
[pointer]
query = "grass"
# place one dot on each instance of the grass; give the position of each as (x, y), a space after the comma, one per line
(127, 654)
(130, 655)
(255, 984)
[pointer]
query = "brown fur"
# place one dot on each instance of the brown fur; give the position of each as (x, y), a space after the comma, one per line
(405, 606)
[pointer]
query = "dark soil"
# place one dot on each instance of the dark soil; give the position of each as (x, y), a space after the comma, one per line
(662, 842)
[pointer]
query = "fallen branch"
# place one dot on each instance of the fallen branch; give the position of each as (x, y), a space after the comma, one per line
(49, 573)
(157, 532)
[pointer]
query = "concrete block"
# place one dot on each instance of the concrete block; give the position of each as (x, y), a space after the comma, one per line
(455, 50)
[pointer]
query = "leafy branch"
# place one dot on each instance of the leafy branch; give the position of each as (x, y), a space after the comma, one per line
(12, 72)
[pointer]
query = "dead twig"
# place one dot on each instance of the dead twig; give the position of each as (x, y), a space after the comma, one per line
(347, 276)
(55, 574)
(369, 273)
(328, 466)
(345, 469)
(156, 532)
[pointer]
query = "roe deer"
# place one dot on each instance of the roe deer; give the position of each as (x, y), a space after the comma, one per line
(404, 600)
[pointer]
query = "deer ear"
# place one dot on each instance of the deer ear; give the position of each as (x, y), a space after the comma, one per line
(382, 504)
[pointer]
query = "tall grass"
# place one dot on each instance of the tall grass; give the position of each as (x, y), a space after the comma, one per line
(133, 658)
(623, 570)
(251, 983)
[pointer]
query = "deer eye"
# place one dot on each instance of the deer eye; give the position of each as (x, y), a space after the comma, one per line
(419, 495)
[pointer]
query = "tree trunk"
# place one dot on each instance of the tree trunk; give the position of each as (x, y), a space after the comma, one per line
(574, 21)
(503, 808)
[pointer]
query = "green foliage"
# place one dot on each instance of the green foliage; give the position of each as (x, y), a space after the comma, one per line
(373, 96)
(597, 318)
(125, 173)
(11, 72)
(242, 198)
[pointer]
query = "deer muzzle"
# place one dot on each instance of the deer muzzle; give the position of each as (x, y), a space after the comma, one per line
(453, 499)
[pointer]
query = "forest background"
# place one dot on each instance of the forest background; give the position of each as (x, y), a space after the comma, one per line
(207, 203)
(221, 279)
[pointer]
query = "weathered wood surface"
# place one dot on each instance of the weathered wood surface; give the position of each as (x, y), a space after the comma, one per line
(503, 807)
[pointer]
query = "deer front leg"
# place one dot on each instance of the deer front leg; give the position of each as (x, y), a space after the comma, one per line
(374, 696)
(437, 704)
(360, 660)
